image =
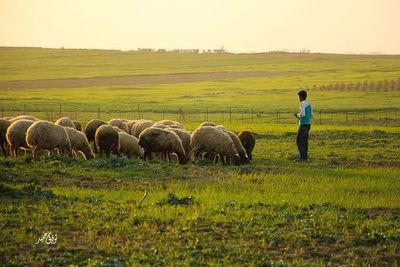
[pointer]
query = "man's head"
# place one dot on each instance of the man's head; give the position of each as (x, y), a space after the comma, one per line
(302, 95)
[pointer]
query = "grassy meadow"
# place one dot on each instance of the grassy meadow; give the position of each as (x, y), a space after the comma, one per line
(341, 208)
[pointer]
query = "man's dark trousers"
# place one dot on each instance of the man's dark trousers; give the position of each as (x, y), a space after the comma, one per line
(302, 140)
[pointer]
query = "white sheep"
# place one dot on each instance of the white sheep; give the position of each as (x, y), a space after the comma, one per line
(140, 126)
(66, 122)
(16, 136)
(129, 146)
(79, 142)
(211, 140)
(49, 136)
(120, 124)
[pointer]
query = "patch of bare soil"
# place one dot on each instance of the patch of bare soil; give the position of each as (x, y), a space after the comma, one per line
(132, 80)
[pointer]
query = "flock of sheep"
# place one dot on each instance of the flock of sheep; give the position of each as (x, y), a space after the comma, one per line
(131, 138)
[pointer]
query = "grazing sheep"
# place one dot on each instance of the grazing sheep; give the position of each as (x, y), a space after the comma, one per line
(65, 122)
(90, 131)
(49, 136)
(4, 124)
(160, 126)
(208, 123)
(24, 117)
(7, 118)
(211, 140)
(120, 124)
(107, 140)
(129, 146)
(173, 124)
(78, 125)
(16, 136)
(79, 142)
(130, 123)
(140, 126)
(159, 140)
(244, 159)
(185, 138)
(248, 141)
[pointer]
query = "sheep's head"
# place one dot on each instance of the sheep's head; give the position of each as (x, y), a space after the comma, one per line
(244, 159)
(235, 160)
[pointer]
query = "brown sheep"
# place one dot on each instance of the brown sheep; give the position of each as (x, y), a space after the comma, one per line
(185, 138)
(130, 123)
(78, 125)
(120, 124)
(159, 140)
(248, 141)
(49, 136)
(129, 145)
(107, 140)
(4, 124)
(79, 142)
(211, 140)
(16, 136)
(65, 122)
(90, 131)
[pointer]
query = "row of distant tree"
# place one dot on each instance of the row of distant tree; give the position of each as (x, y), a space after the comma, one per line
(379, 86)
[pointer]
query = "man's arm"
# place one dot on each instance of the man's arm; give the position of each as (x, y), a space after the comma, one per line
(302, 112)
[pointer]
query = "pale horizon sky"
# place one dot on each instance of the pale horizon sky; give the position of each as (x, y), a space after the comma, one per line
(340, 26)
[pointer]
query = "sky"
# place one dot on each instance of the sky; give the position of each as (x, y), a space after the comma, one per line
(327, 26)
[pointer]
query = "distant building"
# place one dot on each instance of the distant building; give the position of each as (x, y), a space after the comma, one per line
(186, 51)
(145, 50)
(219, 51)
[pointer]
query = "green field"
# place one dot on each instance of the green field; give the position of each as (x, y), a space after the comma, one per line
(341, 208)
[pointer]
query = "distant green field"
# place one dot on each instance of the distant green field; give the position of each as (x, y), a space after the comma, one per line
(341, 208)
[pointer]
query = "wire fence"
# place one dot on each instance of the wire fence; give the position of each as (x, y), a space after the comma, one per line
(231, 115)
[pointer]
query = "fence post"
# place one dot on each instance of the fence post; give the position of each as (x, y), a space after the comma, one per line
(138, 111)
(223, 120)
(320, 117)
(75, 114)
(206, 114)
(230, 115)
(60, 111)
(386, 120)
(52, 114)
(163, 114)
(98, 112)
(252, 114)
(2, 111)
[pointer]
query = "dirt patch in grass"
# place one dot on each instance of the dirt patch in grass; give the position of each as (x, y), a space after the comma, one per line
(133, 80)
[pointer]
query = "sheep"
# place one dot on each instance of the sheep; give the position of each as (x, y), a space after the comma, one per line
(159, 140)
(90, 131)
(24, 117)
(49, 136)
(4, 124)
(207, 123)
(185, 138)
(7, 118)
(66, 122)
(78, 125)
(79, 142)
(173, 124)
(16, 136)
(130, 123)
(129, 145)
(107, 140)
(248, 141)
(244, 159)
(211, 140)
(120, 124)
(140, 126)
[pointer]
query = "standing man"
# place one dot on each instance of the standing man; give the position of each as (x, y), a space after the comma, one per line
(305, 116)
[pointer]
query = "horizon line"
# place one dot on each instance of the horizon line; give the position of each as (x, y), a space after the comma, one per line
(201, 51)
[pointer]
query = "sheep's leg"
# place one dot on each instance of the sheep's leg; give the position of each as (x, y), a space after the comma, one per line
(4, 149)
(35, 152)
(95, 148)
